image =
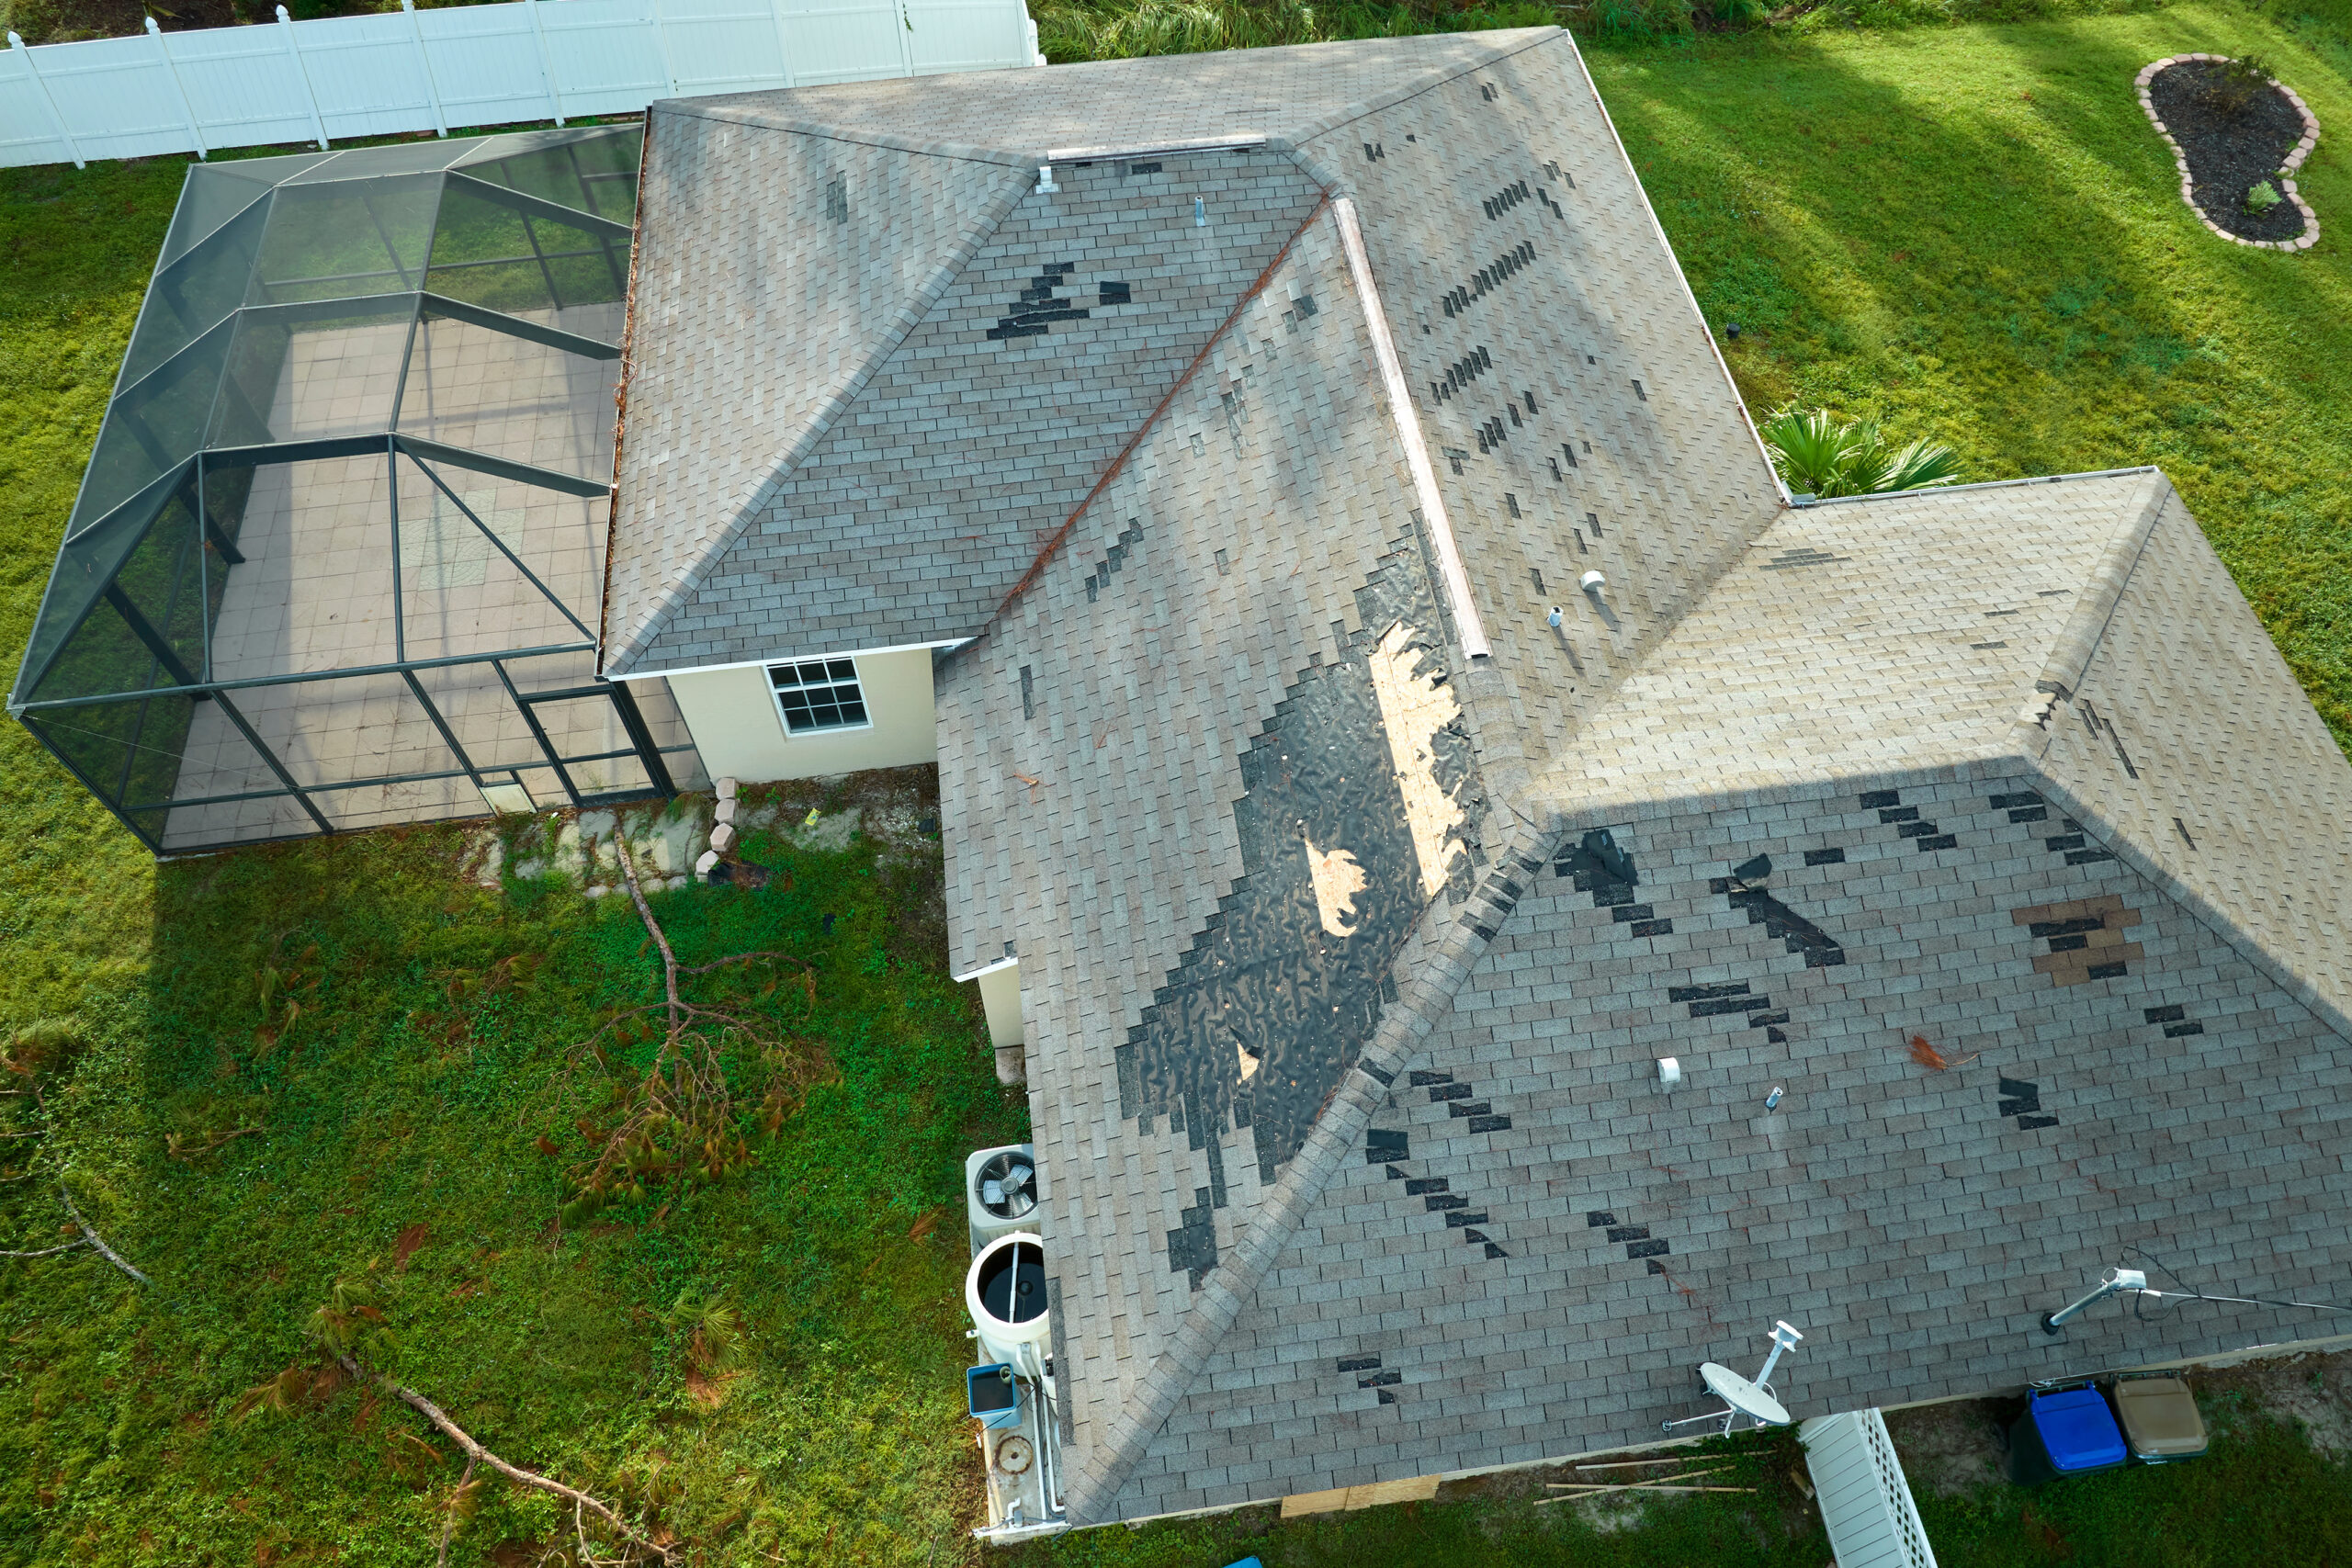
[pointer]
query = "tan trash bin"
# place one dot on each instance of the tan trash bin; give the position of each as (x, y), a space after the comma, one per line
(2159, 1417)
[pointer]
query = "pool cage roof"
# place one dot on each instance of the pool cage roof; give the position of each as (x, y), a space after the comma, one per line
(336, 559)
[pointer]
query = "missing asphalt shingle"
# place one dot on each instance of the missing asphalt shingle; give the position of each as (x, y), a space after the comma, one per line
(1112, 293)
(1821, 950)
(837, 198)
(1460, 372)
(1359, 1363)
(1503, 200)
(1192, 1247)
(1028, 687)
(1038, 305)
(2022, 1100)
(1801, 557)
(1486, 279)
(1825, 857)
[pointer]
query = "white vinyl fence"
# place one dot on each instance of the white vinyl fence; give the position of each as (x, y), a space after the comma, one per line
(467, 65)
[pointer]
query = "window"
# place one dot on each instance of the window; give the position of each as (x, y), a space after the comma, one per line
(818, 694)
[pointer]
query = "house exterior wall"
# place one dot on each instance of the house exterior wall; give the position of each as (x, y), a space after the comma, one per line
(732, 715)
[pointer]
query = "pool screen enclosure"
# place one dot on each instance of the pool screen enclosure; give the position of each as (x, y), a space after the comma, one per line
(337, 558)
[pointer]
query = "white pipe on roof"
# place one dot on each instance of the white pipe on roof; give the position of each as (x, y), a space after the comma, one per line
(1408, 433)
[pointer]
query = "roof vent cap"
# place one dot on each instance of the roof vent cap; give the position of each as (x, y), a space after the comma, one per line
(1046, 186)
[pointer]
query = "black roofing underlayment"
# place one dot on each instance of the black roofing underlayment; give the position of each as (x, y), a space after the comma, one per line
(1262, 977)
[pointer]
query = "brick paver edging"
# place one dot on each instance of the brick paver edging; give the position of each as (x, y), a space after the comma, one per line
(2294, 160)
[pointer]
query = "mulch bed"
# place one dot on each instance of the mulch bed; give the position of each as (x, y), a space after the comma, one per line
(2228, 154)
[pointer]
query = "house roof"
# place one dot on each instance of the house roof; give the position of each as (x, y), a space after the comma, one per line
(1504, 1242)
(1269, 835)
(831, 440)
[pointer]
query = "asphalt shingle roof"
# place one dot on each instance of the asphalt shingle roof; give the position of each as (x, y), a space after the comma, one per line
(1340, 1029)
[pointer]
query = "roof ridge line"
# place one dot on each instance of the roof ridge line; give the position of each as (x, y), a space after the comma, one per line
(1931, 492)
(1294, 142)
(1283, 141)
(1450, 947)
(697, 109)
(620, 657)
(2086, 627)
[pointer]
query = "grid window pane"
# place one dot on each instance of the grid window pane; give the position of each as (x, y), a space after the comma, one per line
(818, 694)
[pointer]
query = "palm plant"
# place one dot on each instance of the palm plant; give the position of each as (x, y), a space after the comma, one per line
(1818, 455)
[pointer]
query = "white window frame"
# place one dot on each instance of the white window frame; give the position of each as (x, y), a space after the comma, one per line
(856, 677)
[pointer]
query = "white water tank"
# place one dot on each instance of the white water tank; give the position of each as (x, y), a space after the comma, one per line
(1005, 1292)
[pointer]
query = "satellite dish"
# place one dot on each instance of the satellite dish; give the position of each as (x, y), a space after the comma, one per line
(1752, 1398)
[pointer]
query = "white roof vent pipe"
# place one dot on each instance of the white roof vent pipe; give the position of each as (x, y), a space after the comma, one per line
(1046, 186)
(1592, 582)
(1005, 1293)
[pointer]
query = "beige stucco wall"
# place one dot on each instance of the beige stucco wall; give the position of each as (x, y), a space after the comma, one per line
(736, 729)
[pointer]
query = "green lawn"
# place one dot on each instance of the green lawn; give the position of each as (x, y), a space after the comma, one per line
(1968, 231)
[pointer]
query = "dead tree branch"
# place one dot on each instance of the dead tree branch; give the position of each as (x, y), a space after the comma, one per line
(514, 1473)
(449, 1524)
(47, 1252)
(645, 913)
(95, 1239)
(678, 1119)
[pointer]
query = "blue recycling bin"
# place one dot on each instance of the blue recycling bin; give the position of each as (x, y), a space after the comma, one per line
(2067, 1431)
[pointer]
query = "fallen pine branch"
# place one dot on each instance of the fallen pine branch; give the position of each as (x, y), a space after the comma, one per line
(677, 1119)
(449, 1524)
(95, 1239)
(179, 1151)
(475, 1453)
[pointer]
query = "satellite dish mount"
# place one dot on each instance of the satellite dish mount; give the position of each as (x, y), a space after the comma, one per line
(1751, 1397)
